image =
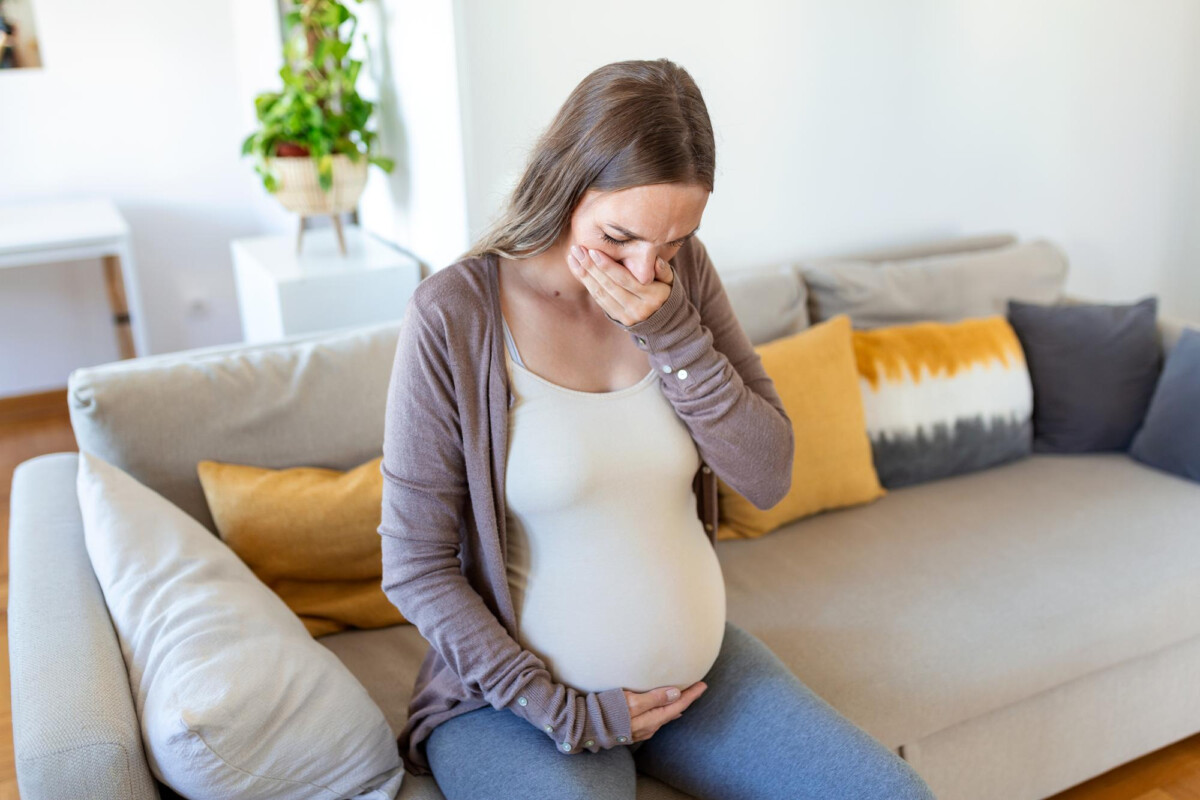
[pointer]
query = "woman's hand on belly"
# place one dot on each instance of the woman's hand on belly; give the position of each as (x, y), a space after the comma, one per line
(649, 711)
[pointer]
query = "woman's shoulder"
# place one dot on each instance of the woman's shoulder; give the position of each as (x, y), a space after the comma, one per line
(447, 316)
(455, 300)
(457, 287)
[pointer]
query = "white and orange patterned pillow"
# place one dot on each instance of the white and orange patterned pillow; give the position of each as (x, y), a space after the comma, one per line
(942, 398)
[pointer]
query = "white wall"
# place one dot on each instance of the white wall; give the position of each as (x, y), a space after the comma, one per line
(137, 101)
(422, 203)
(842, 124)
(148, 103)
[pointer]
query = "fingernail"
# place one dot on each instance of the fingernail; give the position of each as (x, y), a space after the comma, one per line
(672, 693)
(577, 251)
(595, 256)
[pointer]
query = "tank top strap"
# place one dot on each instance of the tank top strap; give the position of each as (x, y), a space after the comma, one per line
(510, 342)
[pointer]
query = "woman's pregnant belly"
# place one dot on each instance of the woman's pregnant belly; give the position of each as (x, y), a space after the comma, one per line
(613, 578)
(638, 607)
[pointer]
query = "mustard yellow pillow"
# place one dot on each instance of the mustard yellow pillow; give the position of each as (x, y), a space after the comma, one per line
(310, 534)
(817, 378)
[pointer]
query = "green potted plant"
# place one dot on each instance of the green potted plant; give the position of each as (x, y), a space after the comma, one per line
(312, 147)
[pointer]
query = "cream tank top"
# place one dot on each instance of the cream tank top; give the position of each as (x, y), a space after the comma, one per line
(613, 578)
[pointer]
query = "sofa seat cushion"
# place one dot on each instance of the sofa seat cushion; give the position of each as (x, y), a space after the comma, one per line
(940, 601)
(946, 600)
(386, 661)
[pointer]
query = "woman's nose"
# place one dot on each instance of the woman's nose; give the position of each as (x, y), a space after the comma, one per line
(642, 267)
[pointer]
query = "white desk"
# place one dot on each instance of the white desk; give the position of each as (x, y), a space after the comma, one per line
(282, 293)
(43, 232)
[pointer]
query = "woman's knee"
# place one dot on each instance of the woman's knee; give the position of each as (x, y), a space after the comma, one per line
(750, 680)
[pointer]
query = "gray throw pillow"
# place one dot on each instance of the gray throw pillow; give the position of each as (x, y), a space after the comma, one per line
(1093, 368)
(1169, 439)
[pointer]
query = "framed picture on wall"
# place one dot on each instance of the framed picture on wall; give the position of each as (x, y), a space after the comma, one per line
(18, 35)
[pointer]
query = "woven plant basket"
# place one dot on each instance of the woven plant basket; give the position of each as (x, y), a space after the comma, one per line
(299, 190)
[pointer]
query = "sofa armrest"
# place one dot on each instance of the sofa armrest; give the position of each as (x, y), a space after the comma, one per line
(75, 730)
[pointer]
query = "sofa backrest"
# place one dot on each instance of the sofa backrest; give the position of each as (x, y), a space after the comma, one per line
(310, 400)
(773, 301)
(926, 248)
(946, 287)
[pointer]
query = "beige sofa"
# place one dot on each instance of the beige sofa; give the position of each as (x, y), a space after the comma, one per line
(1010, 632)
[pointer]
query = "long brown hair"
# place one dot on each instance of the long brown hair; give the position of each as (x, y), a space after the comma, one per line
(629, 123)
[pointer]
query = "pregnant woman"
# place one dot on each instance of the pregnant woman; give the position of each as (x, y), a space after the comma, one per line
(561, 402)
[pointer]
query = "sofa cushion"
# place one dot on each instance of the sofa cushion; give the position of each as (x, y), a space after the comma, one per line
(817, 380)
(939, 288)
(313, 400)
(945, 600)
(311, 535)
(943, 398)
(1169, 438)
(231, 692)
(1093, 368)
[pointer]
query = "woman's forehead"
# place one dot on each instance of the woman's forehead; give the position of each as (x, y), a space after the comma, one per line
(651, 211)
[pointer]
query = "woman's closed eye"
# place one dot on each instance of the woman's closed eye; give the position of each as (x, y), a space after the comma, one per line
(611, 240)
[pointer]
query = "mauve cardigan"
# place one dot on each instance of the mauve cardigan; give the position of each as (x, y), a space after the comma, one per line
(442, 528)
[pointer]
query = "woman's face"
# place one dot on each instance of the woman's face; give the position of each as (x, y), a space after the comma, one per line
(635, 226)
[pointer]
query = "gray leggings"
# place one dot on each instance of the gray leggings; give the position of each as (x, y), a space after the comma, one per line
(756, 732)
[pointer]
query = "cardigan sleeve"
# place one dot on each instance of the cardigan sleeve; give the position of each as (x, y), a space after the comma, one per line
(715, 380)
(425, 499)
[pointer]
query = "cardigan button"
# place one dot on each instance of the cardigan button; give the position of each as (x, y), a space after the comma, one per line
(588, 743)
(620, 738)
(706, 469)
(547, 728)
(566, 746)
(666, 367)
(681, 374)
(708, 527)
(522, 701)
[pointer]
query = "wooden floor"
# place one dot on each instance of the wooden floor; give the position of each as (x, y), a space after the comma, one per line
(1172, 773)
